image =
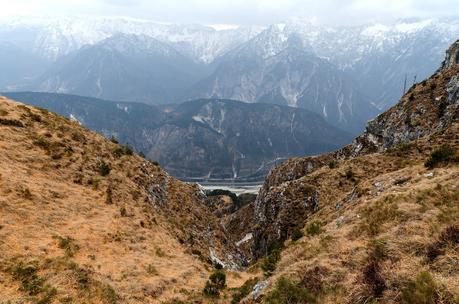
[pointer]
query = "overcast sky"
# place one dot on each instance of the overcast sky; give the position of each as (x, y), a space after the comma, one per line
(246, 12)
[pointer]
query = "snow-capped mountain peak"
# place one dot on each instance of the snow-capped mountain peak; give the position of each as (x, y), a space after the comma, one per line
(56, 37)
(335, 71)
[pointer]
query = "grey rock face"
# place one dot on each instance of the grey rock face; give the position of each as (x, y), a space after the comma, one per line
(452, 56)
(279, 211)
(427, 108)
(258, 290)
(122, 67)
(399, 126)
(453, 89)
(293, 76)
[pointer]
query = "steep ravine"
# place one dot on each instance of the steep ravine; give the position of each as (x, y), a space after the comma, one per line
(85, 220)
(390, 180)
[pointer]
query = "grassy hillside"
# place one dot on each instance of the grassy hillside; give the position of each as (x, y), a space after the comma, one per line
(374, 222)
(83, 220)
(386, 229)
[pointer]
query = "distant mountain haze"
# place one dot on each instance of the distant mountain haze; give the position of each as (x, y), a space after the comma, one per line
(123, 67)
(344, 74)
(202, 139)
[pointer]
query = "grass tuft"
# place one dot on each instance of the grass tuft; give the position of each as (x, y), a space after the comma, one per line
(215, 284)
(287, 292)
(243, 291)
(423, 290)
(442, 156)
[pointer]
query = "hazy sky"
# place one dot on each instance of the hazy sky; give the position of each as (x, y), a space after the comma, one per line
(260, 12)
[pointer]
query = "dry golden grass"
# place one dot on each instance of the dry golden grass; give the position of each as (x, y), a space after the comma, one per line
(392, 200)
(78, 223)
(93, 237)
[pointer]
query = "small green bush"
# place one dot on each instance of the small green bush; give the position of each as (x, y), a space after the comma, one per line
(68, 244)
(442, 109)
(109, 295)
(128, 150)
(443, 155)
(43, 111)
(94, 182)
(246, 198)
(103, 168)
(402, 149)
(215, 283)
(77, 136)
(269, 262)
(218, 192)
(159, 252)
(113, 139)
(123, 150)
(218, 266)
(42, 143)
(297, 234)
(151, 269)
(154, 162)
(375, 216)
(27, 275)
(48, 295)
(287, 292)
(377, 250)
(423, 290)
(243, 291)
(35, 117)
(314, 228)
(11, 122)
(123, 211)
(333, 164)
(350, 175)
(83, 279)
(24, 192)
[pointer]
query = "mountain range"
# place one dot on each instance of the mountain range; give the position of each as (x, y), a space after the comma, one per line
(85, 219)
(330, 70)
(202, 139)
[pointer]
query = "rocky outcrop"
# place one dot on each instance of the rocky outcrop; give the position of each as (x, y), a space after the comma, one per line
(453, 90)
(184, 206)
(427, 108)
(279, 212)
(452, 56)
(275, 67)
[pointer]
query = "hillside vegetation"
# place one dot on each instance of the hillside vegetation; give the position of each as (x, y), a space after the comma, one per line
(84, 220)
(374, 222)
(385, 229)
